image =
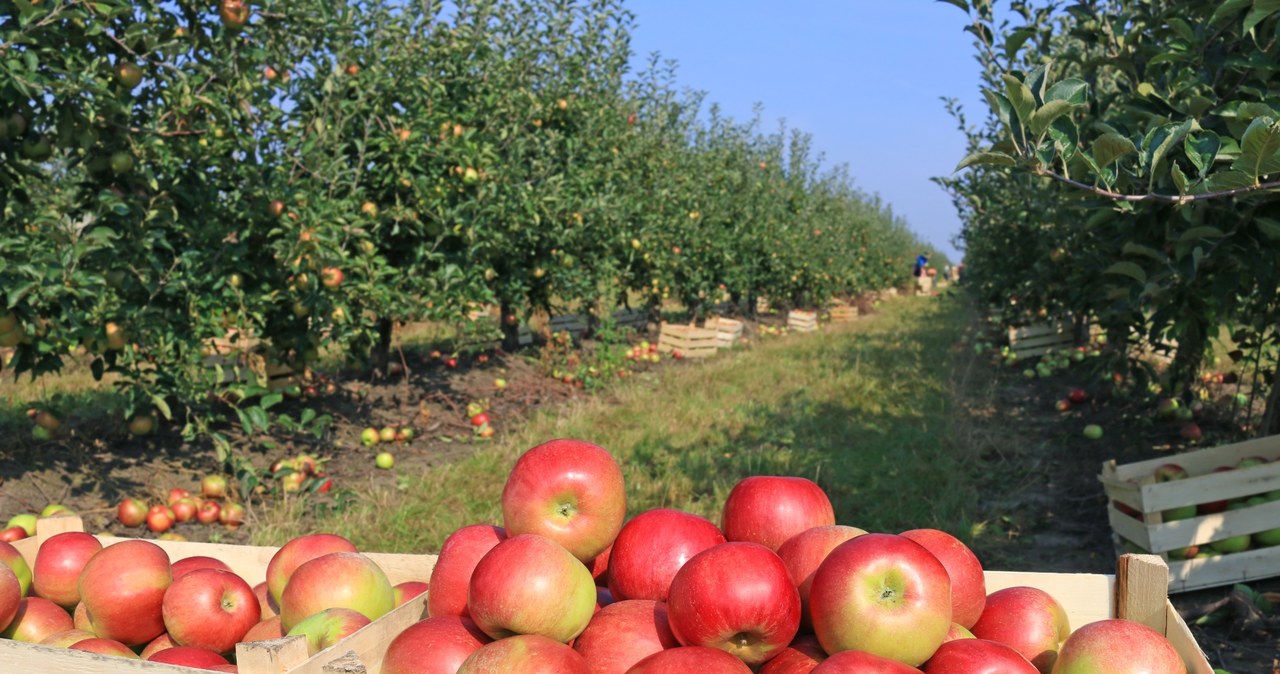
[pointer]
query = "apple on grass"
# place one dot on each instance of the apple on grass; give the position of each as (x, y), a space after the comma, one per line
(123, 589)
(769, 509)
(624, 633)
(328, 627)
(336, 580)
(437, 645)
(295, 553)
(1027, 619)
(977, 655)
(35, 620)
(58, 564)
(800, 657)
(684, 659)
(209, 608)
(529, 584)
(652, 547)
(968, 584)
(569, 491)
(451, 575)
(804, 552)
(1117, 646)
(131, 512)
(526, 654)
(873, 589)
(737, 597)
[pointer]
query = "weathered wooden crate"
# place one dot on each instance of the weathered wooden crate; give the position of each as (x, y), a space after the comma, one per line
(1133, 487)
(843, 313)
(1041, 338)
(239, 358)
(574, 324)
(362, 652)
(688, 341)
(802, 321)
(924, 284)
(1137, 592)
(763, 306)
(636, 319)
(728, 330)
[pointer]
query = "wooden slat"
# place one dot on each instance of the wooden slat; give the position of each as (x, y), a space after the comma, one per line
(802, 321)
(1204, 461)
(727, 330)
(1142, 588)
(1237, 567)
(689, 341)
(842, 314)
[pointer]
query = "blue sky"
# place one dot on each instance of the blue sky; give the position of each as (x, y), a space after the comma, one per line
(863, 77)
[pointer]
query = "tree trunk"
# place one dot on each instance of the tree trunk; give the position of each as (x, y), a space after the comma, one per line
(1271, 417)
(510, 329)
(382, 350)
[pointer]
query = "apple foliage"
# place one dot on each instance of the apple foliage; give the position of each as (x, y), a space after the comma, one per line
(1127, 168)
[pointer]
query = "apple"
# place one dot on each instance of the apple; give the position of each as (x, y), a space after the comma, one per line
(624, 633)
(737, 597)
(384, 460)
(35, 620)
(268, 628)
(451, 575)
(387, 434)
(55, 509)
(1191, 432)
(872, 590)
(80, 618)
(66, 638)
(968, 585)
(1215, 506)
(369, 437)
(437, 645)
(1027, 619)
(176, 494)
(529, 584)
(13, 559)
(1062, 406)
(123, 588)
(12, 534)
(157, 644)
(1170, 471)
(480, 419)
(599, 566)
(184, 510)
(526, 654)
(1238, 543)
(800, 657)
(1167, 407)
(1117, 647)
(214, 486)
(331, 277)
(965, 656)
(768, 509)
(25, 520)
(1093, 432)
(232, 515)
(804, 552)
(684, 659)
(862, 662)
(336, 580)
(104, 647)
(569, 491)
(328, 627)
(499, 383)
(408, 590)
(451, 362)
(1078, 396)
(209, 608)
(209, 512)
(188, 656)
(652, 547)
(160, 518)
(10, 596)
(297, 552)
(58, 564)
(131, 512)
(266, 604)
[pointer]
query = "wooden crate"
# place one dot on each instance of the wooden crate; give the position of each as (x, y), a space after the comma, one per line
(924, 284)
(843, 314)
(802, 321)
(238, 358)
(574, 324)
(688, 341)
(636, 319)
(1136, 592)
(1041, 338)
(363, 651)
(1134, 486)
(762, 305)
(728, 331)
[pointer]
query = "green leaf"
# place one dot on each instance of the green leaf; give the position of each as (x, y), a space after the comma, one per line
(1072, 91)
(1269, 228)
(1168, 136)
(1000, 105)
(1179, 178)
(271, 400)
(986, 159)
(1261, 10)
(1202, 150)
(1111, 146)
(1020, 97)
(1225, 180)
(1227, 8)
(1131, 248)
(1203, 232)
(1064, 133)
(962, 4)
(259, 418)
(1042, 118)
(1130, 269)
(1258, 145)
(1014, 41)
(162, 407)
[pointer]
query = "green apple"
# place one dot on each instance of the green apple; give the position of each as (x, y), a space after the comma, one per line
(499, 383)
(56, 509)
(384, 460)
(369, 437)
(25, 520)
(1093, 432)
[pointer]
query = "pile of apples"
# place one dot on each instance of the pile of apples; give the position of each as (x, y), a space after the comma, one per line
(23, 525)
(644, 352)
(128, 599)
(569, 585)
(210, 506)
(480, 420)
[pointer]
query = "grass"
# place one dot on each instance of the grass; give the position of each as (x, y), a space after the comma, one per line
(867, 409)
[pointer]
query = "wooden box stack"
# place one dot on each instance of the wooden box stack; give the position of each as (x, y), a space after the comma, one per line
(688, 341)
(1041, 338)
(728, 330)
(802, 321)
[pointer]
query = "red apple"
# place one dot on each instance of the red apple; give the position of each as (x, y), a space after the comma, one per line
(408, 590)
(209, 513)
(977, 656)
(800, 657)
(958, 631)
(104, 647)
(336, 580)
(184, 509)
(123, 587)
(1215, 506)
(652, 547)
(188, 656)
(182, 567)
(1117, 647)
(458, 557)
(10, 557)
(862, 662)
(131, 512)
(624, 633)
(176, 494)
(266, 604)
(968, 585)
(768, 509)
(160, 518)
(873, 590)
(1191, 431)
(737, 597)
(525, 654)
(804, 552)
(297, 552)
(65, 638)
(529, 584)
(231, 515)
(1169, 472)
(1027, 619)
(214, 486)
(1078, 396)
(328, 627)
(569, 491)
(209, 608)
(686, 659)
(599, 565)
(80, 618)
(157, 644)
(10, 596)
(58, 564)
(36, 620)
(13, 533)
(437, 645)
(269, 628)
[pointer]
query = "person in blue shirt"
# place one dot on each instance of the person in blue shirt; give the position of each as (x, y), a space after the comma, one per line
(921, 263)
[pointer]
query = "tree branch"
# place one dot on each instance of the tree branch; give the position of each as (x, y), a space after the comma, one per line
(1178, 199)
